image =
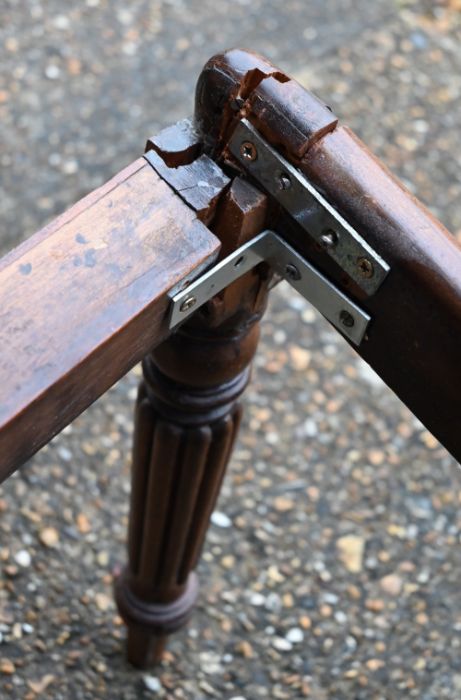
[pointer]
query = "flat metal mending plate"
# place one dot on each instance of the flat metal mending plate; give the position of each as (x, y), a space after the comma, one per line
(343, 313)
(308, 207)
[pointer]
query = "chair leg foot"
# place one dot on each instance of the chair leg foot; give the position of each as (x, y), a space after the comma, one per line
(143, 649)
(149, 624)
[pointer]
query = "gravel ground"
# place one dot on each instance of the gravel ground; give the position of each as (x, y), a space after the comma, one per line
(331, 568)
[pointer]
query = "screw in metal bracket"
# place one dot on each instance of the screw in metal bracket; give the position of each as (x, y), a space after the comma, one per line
(304, 202)
(365, 267)
(329, 238)
(248, 151)
(346, 318)
(284, 182)
(270, 248)
(188, 303)
(292, 272)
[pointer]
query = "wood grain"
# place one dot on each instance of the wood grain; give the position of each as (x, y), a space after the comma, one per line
(187, 418)
(414, 340)
(84, 300)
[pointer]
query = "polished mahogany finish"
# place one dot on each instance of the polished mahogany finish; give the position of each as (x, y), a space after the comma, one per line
(187, 417)
(84, 299)
(414, 341)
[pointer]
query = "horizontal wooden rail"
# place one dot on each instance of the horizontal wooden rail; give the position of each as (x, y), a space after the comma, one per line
(83, 300)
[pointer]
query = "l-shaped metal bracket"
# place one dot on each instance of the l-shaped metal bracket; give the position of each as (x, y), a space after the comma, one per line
(302, 201)
(268, 247)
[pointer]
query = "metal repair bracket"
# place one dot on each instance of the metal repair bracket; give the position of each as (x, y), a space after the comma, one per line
(268, 247)
(293, 191)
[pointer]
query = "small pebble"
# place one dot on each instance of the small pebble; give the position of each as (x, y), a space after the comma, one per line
(83, 524)
(152, 683)
(49, 537)
(391, 584)
(220, 519)
(103, 601)
(330, 598)
(340, 617)
(52, 72)
(257, 599)
(23, 558)
(282, 644)
(283, 504)
(7, 667)
(228, 562)
(350, 549)
(351, 643)
(295, 635)
(245, 649)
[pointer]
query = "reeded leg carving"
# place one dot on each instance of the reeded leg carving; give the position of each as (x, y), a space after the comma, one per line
(183, 440)
(187, 417)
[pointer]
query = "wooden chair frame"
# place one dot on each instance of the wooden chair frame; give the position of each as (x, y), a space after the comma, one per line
(87, 297)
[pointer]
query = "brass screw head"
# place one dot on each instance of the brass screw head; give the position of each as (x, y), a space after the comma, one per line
(248, 151)
(365, 267)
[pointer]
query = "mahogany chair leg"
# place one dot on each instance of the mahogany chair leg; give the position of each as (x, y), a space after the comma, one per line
(187, 417)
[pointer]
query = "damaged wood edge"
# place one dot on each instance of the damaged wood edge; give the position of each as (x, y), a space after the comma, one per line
(178, 144)
(175, 155)
(240, 84)
(233, 209)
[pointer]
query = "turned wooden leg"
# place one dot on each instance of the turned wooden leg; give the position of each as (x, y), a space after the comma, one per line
(187, 417)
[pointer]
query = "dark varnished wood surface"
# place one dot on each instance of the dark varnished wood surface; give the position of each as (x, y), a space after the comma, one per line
(84, 299)
(414, 341)
(187, 413)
